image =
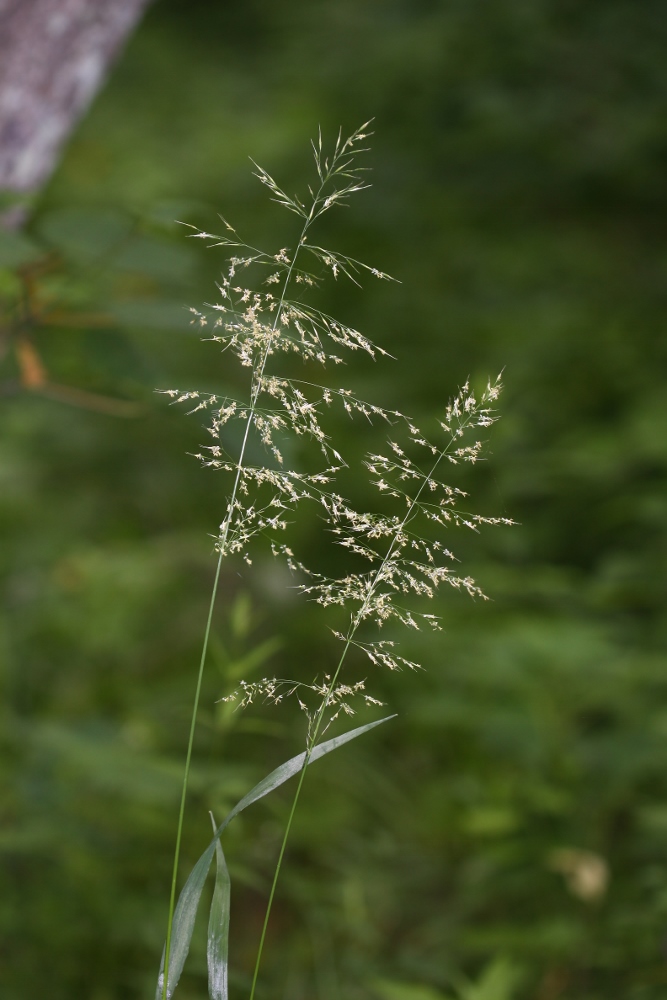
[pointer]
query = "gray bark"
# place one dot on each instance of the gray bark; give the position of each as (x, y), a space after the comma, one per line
(54, 54)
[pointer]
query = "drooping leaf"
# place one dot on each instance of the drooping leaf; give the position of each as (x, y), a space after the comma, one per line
(188, 901)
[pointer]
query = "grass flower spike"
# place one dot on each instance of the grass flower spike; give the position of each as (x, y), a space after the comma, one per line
(398, 556)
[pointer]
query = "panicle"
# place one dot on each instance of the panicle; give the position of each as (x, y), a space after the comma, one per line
(398, 555)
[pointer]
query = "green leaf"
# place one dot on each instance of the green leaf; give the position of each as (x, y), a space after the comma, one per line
(157, 258)
(156, 314)
(17, 249)
(388, 989)
(183, 923)
(498, 981)
(85, 233)
(188, 901)
(217, 951)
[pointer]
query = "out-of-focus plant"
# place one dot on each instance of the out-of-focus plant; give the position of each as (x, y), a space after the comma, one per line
(83, 276)
(498, 981)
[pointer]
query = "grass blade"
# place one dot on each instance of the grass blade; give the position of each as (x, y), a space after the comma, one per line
(188, 901)
(184, 922)
(217, 951)
(293, 766)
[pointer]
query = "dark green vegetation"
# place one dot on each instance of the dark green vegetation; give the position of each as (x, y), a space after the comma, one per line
(519, 195)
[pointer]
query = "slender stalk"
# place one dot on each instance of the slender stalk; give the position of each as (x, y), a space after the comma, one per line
(354, 625)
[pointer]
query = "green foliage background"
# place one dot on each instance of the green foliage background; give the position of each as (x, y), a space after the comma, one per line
(519, 164)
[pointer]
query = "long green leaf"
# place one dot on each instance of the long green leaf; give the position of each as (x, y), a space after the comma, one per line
(188, 901)
(184, 921)
(217, 950)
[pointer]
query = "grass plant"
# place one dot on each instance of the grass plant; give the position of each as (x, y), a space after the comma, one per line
(397, 556)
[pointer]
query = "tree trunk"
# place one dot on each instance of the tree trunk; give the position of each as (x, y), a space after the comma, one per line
(54, 54)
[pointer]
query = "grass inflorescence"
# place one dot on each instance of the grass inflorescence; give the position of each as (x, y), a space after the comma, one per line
(397, 555)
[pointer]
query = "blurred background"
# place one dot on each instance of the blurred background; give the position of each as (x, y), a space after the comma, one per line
(505, 838)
